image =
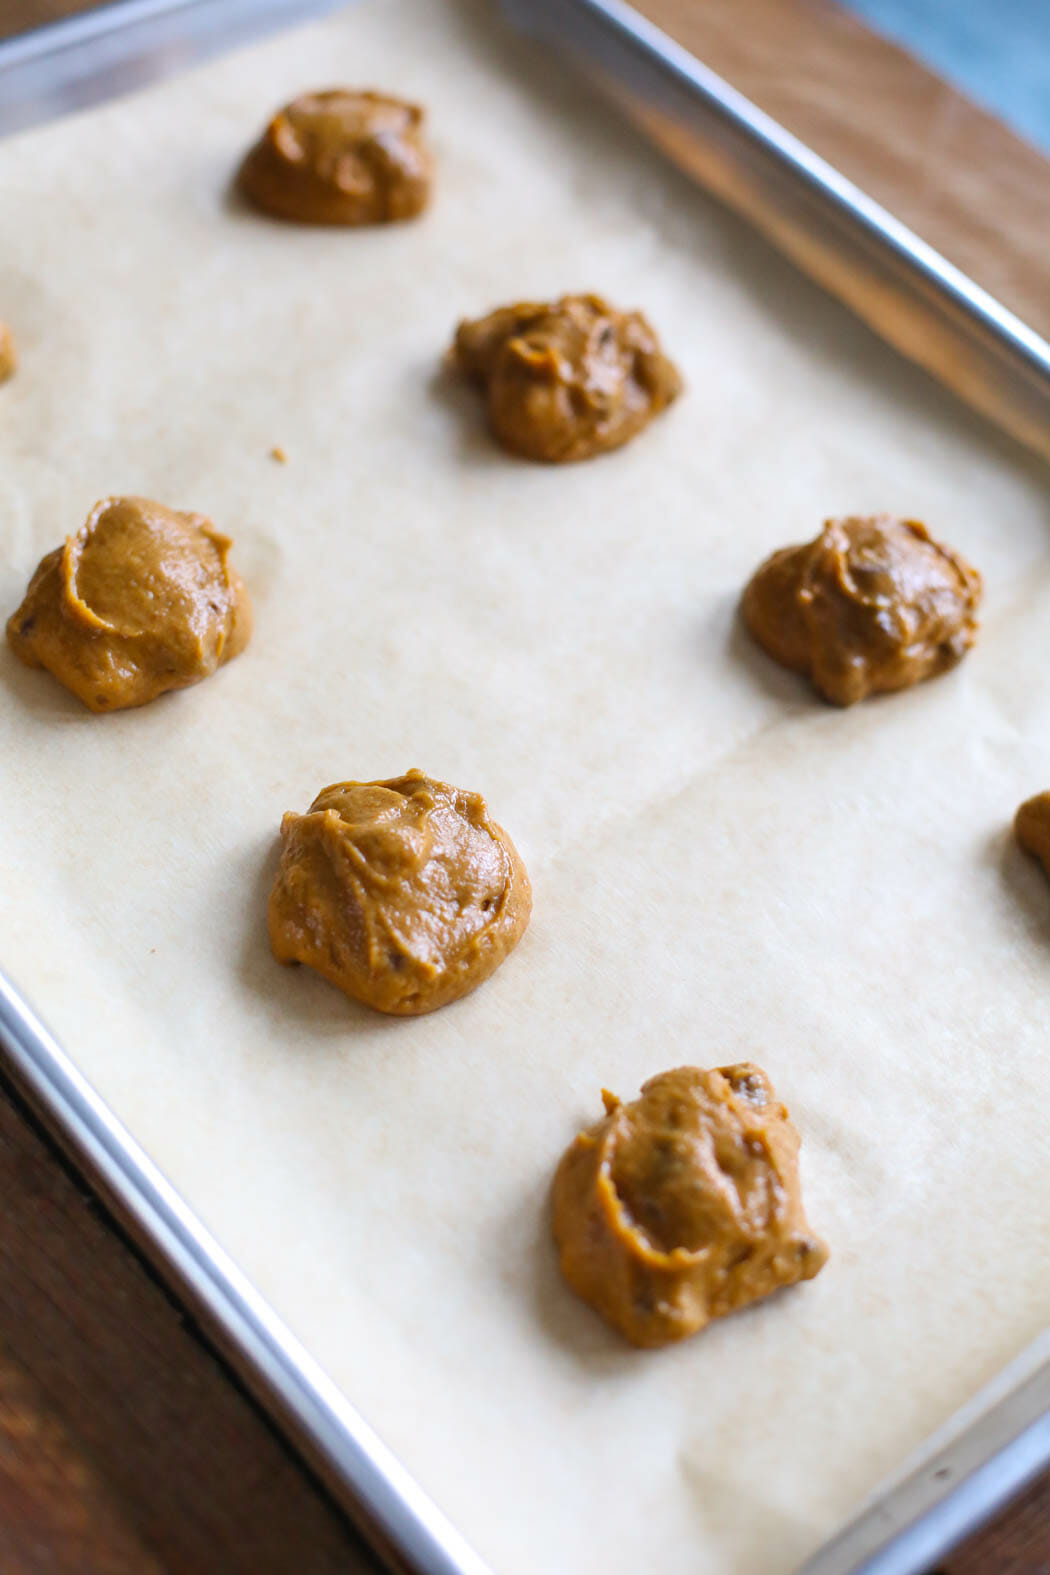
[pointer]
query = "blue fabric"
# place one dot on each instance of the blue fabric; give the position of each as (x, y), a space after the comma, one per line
(997, 51)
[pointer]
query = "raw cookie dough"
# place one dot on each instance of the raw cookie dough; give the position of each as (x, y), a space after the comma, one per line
(684, 1205)
(870, 605)
(1032, 828)
(403, 893)
(566, 379)
(8, 354)
(340, 157)
(139, 601)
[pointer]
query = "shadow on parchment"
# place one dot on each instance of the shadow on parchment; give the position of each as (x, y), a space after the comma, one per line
(297, 1000)
(41, 694)
(465, 404)
(790, 689)
(524, 1248)
(1025, 881)
(235, 205)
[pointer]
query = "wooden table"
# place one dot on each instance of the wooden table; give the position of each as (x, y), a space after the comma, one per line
(126, 1445)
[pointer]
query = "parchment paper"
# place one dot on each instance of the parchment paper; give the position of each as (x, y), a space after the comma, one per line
(723, 867)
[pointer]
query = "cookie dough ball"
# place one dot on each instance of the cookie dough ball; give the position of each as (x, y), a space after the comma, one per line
(141, 600)
(870, 605)
(1032, 828)
(567, 379)
(340, 157)
(8, 354)
(684, 1205)
(403, 893)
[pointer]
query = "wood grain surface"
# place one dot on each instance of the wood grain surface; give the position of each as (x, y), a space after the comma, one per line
(959, 177)
(18, 15)
(126, 1445)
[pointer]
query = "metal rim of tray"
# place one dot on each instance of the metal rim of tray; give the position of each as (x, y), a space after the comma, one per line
(917, 1522)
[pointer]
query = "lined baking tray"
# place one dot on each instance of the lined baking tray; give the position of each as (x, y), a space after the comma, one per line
(250, 1096)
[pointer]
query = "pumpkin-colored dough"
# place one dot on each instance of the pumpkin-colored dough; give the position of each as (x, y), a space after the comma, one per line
(340, 157)
(403, 893)
(141, 600)
(1032, 828)
(8, 354)
(871, 605)
(567, 379)
(684, 1205)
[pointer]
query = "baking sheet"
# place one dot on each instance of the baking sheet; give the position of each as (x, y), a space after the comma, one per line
(721, 866)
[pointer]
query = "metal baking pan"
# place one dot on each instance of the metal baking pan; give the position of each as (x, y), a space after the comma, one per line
(912, 296)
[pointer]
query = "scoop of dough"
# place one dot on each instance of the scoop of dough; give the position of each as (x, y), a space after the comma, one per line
(567, 379)
(340, 157)
(684, 1205)
(870, 605)
(1032, 828)
(8, 354)
(139, 601)
(403, 893)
